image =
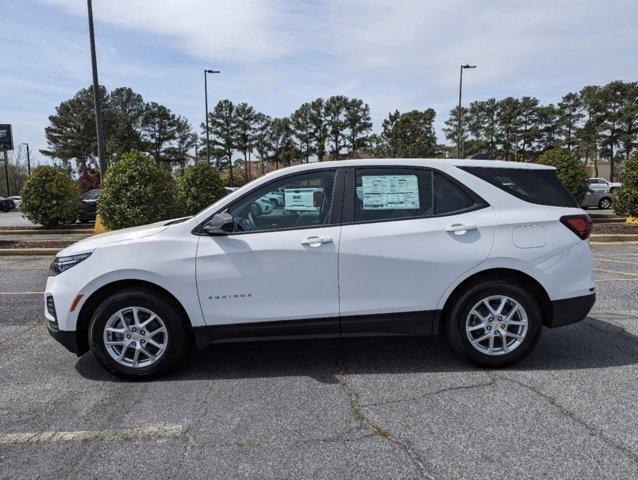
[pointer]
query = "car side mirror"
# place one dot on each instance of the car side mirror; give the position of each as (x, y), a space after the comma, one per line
(220, 224)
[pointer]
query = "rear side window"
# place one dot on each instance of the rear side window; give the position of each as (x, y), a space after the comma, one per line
(392, 194)
(449, 198)
(535, 186)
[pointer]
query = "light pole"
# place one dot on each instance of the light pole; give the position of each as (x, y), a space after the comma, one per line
(459, 153)
(206, 72)
(96, 94)
(28, 159)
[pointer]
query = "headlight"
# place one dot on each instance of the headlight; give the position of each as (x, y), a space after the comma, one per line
(61, 264)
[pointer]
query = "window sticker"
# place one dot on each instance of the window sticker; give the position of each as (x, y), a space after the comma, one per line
(303, 199)
(390, 192)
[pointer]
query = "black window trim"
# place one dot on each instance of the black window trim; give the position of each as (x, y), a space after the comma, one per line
(350, 186)
(335, 212)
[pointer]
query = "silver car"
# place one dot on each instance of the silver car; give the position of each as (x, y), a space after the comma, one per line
(599, 199)
(602, 185)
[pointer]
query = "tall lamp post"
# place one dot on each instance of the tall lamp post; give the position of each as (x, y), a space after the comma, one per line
(206, 72)
(96, 94)
(459, 152)
(28, 159)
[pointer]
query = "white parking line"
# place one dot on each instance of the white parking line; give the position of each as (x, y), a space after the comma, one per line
(21, 293)
(107, 435)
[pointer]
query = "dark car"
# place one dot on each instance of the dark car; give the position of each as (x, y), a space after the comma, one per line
(6, 204)
(87, 205)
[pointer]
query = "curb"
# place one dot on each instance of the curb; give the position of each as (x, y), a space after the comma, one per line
(10, 252)
(73, 231)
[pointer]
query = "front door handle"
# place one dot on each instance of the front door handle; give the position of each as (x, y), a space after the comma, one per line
(460, 229)
(315, 241)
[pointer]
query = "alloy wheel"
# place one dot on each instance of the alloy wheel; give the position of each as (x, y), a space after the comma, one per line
(135, 337)
(496, 325)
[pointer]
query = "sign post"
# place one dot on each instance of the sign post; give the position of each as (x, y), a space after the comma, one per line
(6, 144)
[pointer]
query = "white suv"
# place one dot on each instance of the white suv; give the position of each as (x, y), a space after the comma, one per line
(486, 251)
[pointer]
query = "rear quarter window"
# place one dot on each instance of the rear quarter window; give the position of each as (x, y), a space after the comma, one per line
(540, 186)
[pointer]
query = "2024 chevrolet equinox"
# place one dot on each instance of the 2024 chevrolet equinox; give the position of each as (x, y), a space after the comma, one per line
(487, 252)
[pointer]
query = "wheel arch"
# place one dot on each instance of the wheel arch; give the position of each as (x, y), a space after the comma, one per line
(517, 276)
(93, 301)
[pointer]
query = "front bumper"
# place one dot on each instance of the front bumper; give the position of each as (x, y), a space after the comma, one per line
(571, 310)
(67, 338)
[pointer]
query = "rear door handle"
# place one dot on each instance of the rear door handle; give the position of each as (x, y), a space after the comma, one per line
(315, 241)
(460, 229)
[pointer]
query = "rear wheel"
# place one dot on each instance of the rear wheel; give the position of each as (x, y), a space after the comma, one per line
(137, 334)
(605, 203)
(494, 324)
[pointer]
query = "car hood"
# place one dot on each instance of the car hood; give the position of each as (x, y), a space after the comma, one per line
(117, 236)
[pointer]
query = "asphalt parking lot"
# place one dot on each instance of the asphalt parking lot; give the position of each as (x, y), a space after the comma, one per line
(365, 408)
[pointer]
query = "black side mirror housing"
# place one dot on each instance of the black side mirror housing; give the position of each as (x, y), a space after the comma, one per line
(220, 224)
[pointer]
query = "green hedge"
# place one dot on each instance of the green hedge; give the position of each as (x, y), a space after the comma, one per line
(50, 197)
(569, 170)
(626, 202)
(197, 188)
(136, 191)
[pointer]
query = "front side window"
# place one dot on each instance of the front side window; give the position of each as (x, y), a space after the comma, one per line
(392, 194)
(299, 201)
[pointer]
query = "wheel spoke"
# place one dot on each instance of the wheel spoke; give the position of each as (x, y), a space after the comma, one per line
(136, 356)
(121, 317)
(136, 317)
(116, 342)
(121, 331)
(147, 353)
(501, 305)
(484, 337)
(122, 353)
(148, 320)
(155, 332)
(490, 349)
(504, 343)
(476, 327)
(513, 335)
(154, 343)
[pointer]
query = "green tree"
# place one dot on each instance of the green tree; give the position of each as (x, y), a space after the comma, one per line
(222, 132)
(407, 135)
(244, 132)
(451, 128)
(335, 112)
(627, 197)
(123, 114)
(570, 115)
(160, 129)
(198, 187)
(263, 139)
(320, 127)
(136, 191)
(611, 117)
(508, 115)
(528, 126)
(284, 149)
(49, 197)
(569, 170)
(303, 130)
(359, 123)
(548, 128)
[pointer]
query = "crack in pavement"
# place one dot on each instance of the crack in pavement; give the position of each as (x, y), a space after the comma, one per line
(431, 394)
(572, 416)
(379, 430)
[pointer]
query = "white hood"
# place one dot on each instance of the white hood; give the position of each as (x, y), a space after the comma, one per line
(116, 236)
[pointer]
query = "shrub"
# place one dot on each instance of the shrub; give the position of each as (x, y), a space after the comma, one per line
(626, 202)
(136, 191)
(197, 188)
(569, 171)
(49, 197)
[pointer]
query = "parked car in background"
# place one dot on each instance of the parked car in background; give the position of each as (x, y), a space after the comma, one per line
(487, 252)
(6, 204)
(16, 200)
(87, 205)
(602, 200)
(602, 185)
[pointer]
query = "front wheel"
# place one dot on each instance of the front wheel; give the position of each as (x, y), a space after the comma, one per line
(137, 334)
(494, 324)
(604, 204)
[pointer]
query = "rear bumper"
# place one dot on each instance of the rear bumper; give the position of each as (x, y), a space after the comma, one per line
(571, 310)
(67, 338)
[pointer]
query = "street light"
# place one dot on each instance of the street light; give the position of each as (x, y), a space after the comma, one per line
(459, 153)
(96, 93)
(28, 159)
(206, 72)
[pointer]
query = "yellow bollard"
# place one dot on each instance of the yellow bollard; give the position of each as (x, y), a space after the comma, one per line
(99, 226)
(632, 220)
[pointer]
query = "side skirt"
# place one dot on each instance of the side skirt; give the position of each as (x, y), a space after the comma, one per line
(384, 324)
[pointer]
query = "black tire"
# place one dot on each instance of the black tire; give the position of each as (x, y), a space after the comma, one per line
(613, 190)
(175, 326)
(456, 318)
(605, 203)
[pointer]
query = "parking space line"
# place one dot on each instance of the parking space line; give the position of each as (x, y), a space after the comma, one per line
(617, 280)
(21, 293)
(107, 435)
(606, 259)
(616, 272)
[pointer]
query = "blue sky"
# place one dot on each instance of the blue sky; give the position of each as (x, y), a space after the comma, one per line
(277, 54)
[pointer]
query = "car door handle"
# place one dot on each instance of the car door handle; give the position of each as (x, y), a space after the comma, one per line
(460, 229)
(315, 241)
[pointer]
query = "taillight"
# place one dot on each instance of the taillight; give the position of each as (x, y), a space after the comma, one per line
(579, 224)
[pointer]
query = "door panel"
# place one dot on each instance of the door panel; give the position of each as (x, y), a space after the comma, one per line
(268, 276)
(405, 266)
